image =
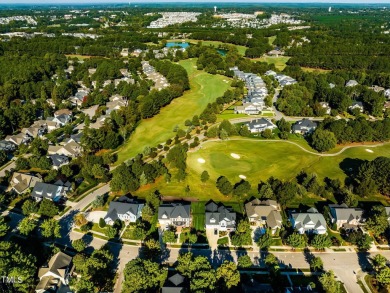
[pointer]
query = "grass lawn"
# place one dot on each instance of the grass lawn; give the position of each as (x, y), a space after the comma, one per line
(241, 49)
(316, 70)
(258, 161)
(205, 88)
(80, 57)
(96, 228)
(280, 62)
(198, 215)
(271, 40)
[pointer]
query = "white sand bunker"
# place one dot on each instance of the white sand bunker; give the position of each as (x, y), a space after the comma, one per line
(202, 161)
(242, 176)
(235, 156)
(370, 151)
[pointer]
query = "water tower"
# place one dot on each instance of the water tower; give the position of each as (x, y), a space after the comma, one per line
(215, 9)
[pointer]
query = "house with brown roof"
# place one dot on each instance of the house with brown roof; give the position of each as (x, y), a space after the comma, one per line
(56, 274)
(21, 182)
(264, 213)
(71, 149)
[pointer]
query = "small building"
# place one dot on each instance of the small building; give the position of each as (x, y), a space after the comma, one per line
(331, 85)
(248, 109)
(56, 274)
(351, 83)
(21, 182)
(259, 125)
(18, 139)
(174, 214)
(71, 149)
(7, 146)
(124, 209)
(220, 217)
(345, 216)
(311, 222)
(264, 213)
(175, 284)
(356, 105)
(58, 161)
(49, 191)
(326, 106)
(304, 126)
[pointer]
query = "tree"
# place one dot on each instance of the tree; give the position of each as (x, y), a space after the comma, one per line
(242, 235)
(48, 208)
(296, 240)
(29, 207)
(169, 236)
(152, 249)
(143, 276)
(79, 244)
(364, 242)
(79, 219)
(242, 188)
(316, 264)
(265, 241)
(223, 135)
(323, 140)
(98, 202)
(244, 261)
(50, 228)
(321, 241)
(377, 220)
(228, 274)
(267, 133)
(204, 176)
(111, 232)
(383, 276)
(379, 262)
(102, 223)
(3, 226)
(329, 282)
(26, 226)
(203, 281)
(147, 213)
(224, 185)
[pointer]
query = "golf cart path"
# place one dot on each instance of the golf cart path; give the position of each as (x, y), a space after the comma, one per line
(296, 144)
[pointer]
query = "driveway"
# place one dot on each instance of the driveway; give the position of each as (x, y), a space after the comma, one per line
(95, 216)
(213, 239)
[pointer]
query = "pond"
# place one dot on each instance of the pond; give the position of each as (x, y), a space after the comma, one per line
(222, 52)
(177, 44)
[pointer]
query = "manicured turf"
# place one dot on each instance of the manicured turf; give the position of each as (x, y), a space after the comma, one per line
(316, 70)
(259, 161)
(280, 62)
(205, 88)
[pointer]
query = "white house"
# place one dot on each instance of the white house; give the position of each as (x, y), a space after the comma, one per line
(345, 216)
(124, 209)
(174, 214)
(220, 217)
(259, 125)
(310, 222)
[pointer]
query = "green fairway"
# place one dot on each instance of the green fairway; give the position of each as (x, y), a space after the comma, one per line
(205, 88)
(259, 160)
(280, 62)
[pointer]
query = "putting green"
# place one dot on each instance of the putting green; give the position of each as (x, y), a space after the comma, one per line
(205, 88)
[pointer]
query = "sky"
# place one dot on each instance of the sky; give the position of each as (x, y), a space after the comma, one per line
(191, 1)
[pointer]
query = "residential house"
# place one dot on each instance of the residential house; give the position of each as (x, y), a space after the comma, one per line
(124, 209)
(356, 105)
(21, 182)
(58, 161)
(37, 129)
(175, 284)
(56, 274)
(310, 222)
(49, 191)
(248, 108)
(220, 217)
(386, 106)
(387, 93)
(91, 111)
(259, 125)
(351, 83)
(71, 149)
(18, 139)
(174, 214)
(65, 184)
(62, 117)
(326, 106)
(345, 216)
(304, 126)
(7, 146)
(264, 213)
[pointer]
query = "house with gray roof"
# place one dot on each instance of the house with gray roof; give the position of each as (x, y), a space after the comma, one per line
(311, 222)
(248, 109)
(124, 209)
(264, 213)
(259, 125)
(55, 275)
(7, 146)
(49, 191)
(175, 284)
(345, 216)
(58, 161)
(174, 214)
(356, 105)
(220, 217)
(304, 126)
